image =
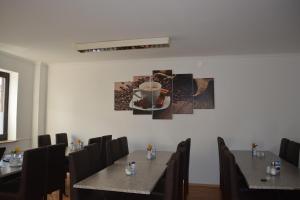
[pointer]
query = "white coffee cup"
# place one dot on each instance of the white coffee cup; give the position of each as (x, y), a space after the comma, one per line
(149, 91)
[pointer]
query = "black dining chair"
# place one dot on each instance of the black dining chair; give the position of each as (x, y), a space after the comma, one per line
(56, 170)
(104, 145)
(283, 148)
(181, 149)
(33, 178)
(80, 169)
(187, 167)
(170, 187)
(124, 146)
(2, 150)
(44, 140)
(95, 140)
(292, 153)
(113, 151)
(61, 138)
(94, 152)
(235, 187)
(221, 143)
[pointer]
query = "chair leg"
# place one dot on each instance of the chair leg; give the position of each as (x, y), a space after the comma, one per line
(61, 194)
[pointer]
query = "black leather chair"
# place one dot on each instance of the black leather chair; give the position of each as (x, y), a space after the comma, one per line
(181, 149)
(187, 167)
(170, 188)
(104, 143)
(124, 146)
(221, 143)
(95, 140)
(283, 148)
(33, 178)
(79, 170)
(235, 187)
(61, 138)
(56, 169)
(44, 140)
(94, 152)
(2, 150)
(292, 153)
(113, 151)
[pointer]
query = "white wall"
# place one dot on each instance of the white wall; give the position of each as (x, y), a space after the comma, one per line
(25, 70)
(39, 101)
(256, 98)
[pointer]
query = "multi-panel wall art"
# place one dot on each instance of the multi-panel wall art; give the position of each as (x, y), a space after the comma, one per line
(163, 94)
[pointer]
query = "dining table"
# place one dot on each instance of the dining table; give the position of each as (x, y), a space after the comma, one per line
(7, 170)
(114, 179)
(254, 169)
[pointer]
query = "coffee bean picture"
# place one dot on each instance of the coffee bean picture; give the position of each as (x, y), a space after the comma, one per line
(122, 95)
(183, 94)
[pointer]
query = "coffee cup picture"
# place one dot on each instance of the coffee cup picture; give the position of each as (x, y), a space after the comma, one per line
(150, 91)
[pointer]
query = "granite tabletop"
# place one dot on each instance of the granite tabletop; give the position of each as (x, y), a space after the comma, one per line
(7, 170)
(254, 170)
(140, 156)
(114, 178)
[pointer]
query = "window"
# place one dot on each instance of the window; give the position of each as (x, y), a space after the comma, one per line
(4, 92)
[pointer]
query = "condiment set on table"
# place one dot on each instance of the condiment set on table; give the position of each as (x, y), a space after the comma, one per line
(255, 152)
(274, 168)
(151, 152)
(130, 169)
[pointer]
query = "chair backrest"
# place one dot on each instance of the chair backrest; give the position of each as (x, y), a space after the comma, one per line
(225, 173)
(56, 167)
(95, 140)
(221, 143)
(79, 165)
(113, 151)
(94, 153)
(181, 150)
(33, 176)
(187, 165)
(61, 138)
(292, 153)
(2, 150)
(283, 148)
(123, 145)
(171, 181)
(44, 140)
(104, 145)
(232, 181)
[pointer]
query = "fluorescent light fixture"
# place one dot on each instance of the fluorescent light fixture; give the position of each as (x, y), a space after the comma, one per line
(123, 45)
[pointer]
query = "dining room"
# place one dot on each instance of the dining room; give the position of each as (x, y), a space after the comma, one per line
(149, 100)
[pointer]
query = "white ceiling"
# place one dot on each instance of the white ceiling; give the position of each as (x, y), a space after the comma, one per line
(46, 30)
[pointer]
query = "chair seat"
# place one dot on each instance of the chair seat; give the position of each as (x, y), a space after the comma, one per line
(11, 186)
(8, 196)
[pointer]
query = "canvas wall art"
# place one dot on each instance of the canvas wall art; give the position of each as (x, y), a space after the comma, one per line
(140, 104)
(162, 98)
(162, 94)
(183, 94)
(204, 93)
(122, 95)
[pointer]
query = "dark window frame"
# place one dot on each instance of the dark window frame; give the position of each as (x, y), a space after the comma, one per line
(5, 75)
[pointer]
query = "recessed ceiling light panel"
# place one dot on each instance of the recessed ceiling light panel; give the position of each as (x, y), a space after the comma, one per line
(123, 45)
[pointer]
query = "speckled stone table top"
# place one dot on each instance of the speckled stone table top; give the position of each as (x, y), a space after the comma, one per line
(113, 178)
(139, 156)
(6, 170)
(254, 169)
